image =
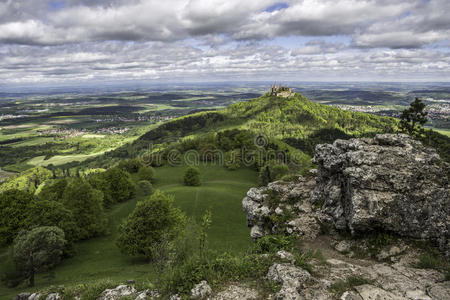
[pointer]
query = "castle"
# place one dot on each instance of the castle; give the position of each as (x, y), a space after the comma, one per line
(280, 91)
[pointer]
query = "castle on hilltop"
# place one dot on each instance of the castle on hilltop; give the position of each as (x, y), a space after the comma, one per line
(280, 91)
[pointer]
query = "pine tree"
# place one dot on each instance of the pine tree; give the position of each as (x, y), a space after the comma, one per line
(413, 118)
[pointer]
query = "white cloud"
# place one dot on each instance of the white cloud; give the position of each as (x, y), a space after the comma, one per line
(222, 39)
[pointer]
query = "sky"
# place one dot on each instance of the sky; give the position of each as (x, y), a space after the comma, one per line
(87, 41)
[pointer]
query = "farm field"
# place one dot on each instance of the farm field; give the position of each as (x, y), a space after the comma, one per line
(221, 191)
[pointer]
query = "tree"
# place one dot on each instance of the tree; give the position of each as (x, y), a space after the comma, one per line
(413, 118)
(38, 250)
(154, 220)
(146, 173)
(191, 177)
(27, 181)
(272, 171)
(130, 165)
(52, 213)
(54, 190)
(13, 205)
(116, 185)
(86, 204)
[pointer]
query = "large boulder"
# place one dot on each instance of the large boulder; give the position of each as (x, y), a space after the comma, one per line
(390, 182)
(283, 207)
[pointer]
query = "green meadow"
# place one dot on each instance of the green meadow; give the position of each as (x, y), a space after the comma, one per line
(99, 258)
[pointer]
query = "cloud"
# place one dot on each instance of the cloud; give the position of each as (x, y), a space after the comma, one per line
(61, 40)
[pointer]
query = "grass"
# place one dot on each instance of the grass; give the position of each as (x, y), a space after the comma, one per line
(99, 259)
(443, 131)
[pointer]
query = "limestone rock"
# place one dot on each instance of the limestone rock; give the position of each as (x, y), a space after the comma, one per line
(237, 292)
(277, 199)
(370, 292)
(22, 296)
(116, 293)
(291, 279)
(390, 182)
(440, 291)
(53, 296)
(284, 255)
(201, 290)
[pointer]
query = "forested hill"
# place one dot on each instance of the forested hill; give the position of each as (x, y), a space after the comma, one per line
(293, 124)
(295, 120)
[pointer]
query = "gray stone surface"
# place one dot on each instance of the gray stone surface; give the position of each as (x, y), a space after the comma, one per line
(390, 182)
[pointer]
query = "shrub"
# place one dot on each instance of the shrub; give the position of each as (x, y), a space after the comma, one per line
(192, 177)
(153, 220)
(146, 173)
(274, 243)
(146, 187)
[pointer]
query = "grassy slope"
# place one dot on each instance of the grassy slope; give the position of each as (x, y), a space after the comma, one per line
(99, 258)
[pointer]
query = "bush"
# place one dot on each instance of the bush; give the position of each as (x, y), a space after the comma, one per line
(146, 173)
(214, 269)
(152, 221)
(192, 177)
(146, 187)
(274, 243)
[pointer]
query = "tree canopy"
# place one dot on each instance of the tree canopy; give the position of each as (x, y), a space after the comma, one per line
(153, 221)
(37, 250)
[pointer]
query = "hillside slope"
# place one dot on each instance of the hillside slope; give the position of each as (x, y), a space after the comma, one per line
(275, 117)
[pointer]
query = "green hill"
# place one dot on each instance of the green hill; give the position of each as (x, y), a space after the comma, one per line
(275, 117)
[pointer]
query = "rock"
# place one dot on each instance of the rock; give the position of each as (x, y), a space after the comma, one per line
(236, 292)
(284, 255)
(258, 208)
(201, 290)
(350, 295)
(142, 295)
(439, 291)
(22, 296)
(390, 252)
(390, 183)
(175, 297)
(116, 293)
(291, 279)
(370, 292)
(34, 296)
(53, 296)
(343, 246)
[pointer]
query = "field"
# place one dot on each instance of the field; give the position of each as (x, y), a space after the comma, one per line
(221, 191)
(60, 129)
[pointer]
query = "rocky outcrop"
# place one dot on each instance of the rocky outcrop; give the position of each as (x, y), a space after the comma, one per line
(237, 292)
(283, 207)
(291, 279)
(390, 183)
(201, 290)
(118, 292)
